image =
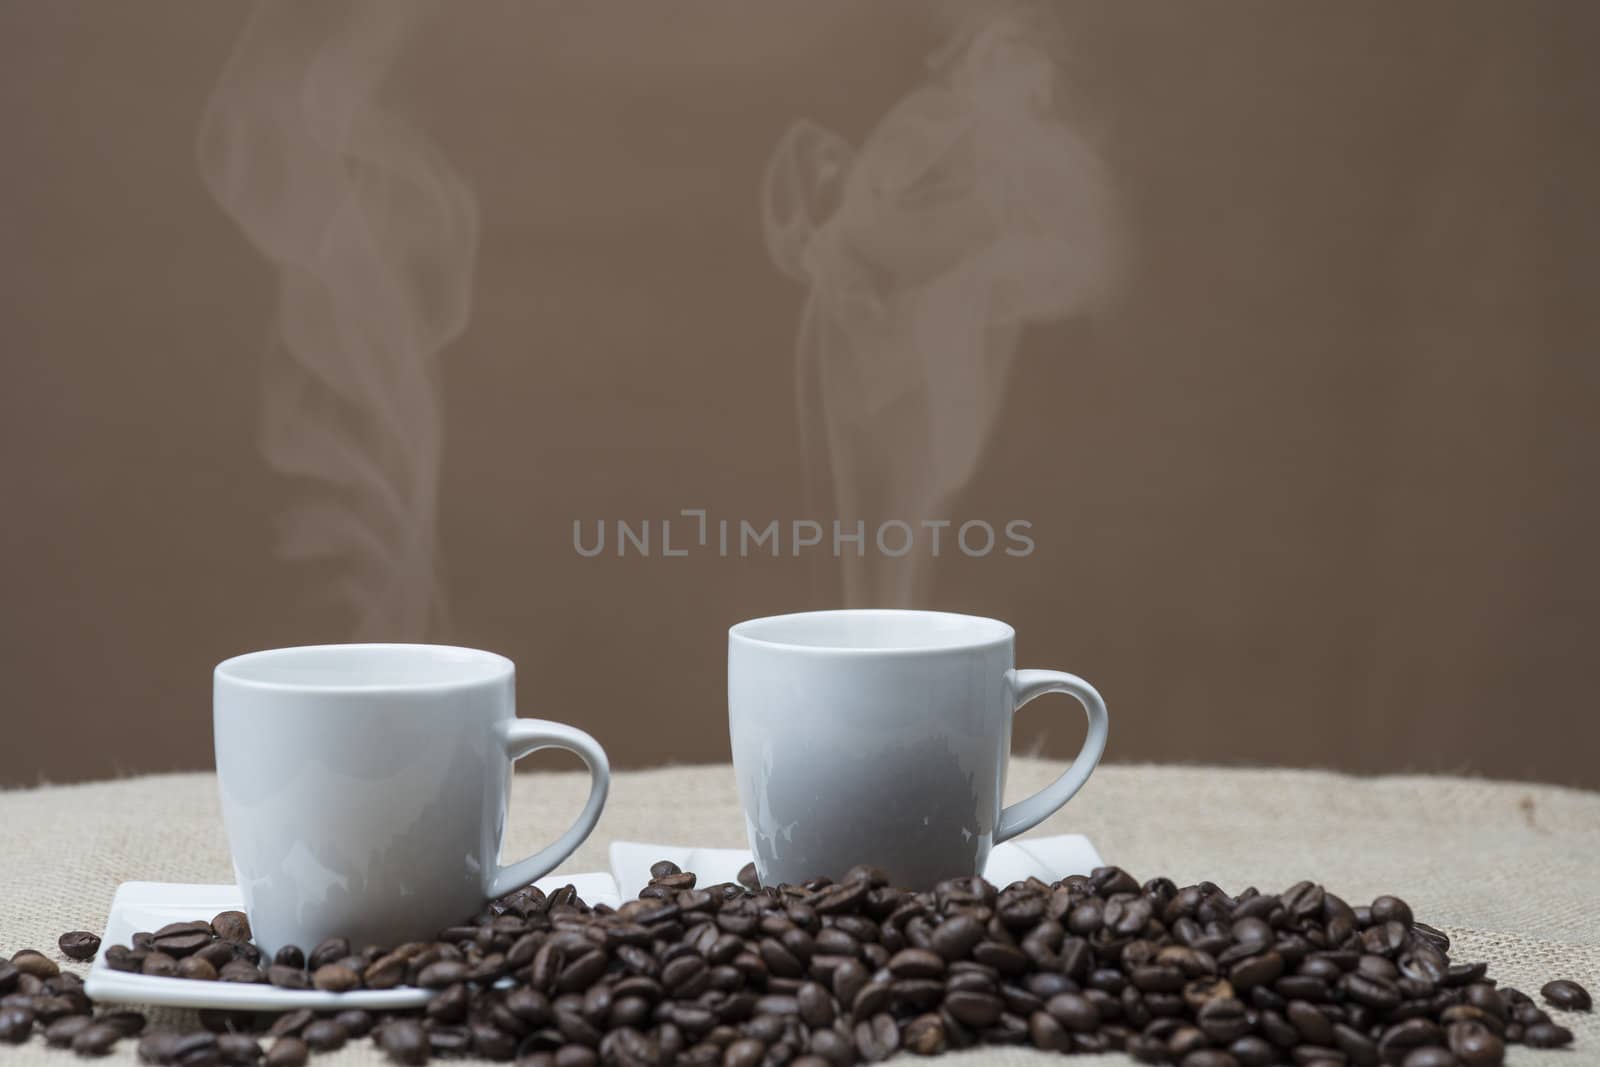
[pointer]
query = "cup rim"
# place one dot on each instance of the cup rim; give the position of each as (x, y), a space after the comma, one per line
(479, 667)
(995, 633)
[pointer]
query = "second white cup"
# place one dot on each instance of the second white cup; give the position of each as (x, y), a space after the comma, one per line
(882, 738)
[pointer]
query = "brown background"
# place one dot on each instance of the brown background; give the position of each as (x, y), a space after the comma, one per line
(1316, 488)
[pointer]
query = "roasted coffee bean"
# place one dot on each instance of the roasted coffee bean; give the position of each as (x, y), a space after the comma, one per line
(1256, 970)
(238, 1050)
(1201, 991)
(159, 965)
(815, 1006)
(182, 944)
(1313, 1026)
(1546, 1035)
(79, 945)
(1224, 1019)
(974, 1009)
(158, 1047)
(385, 972)
(1485, 998)
(219, 954)
(449, 1040)
(16, 1023)
(196, 968)
(1402, 1037)
(1253, 1051)
(551, 958)
(1391, 909)
(1475, 1044)
(531, 1006)
(635, 1011)
(123, 958)
(292, 1052)
(288, 977)
(916, 963)
(334, 948)
(575, 1028)
(746, 1052)
(1106, 978)
(336, 978)
(61, 1032)
(1565, 994)
(324, 1035)
(197, 1049)
(1047, 984)
(231, 926)
(877, 1038)
(1020, 911)
(1299, 987)
(1074, 1011)
(1458, 1013)
(36, 964)
(404, 1042)
(1047, 1033)
(848, 981)
(490, 1043)
(581, 972)
(875, 997)
(1376, 993)
(1007, 959)
(96, 1039)
(241, 971)
(449, 1006)
(1526, 1013)
(1148, 1049)
(1357, 1046)
(441, 974)
(49, 1008)
(290, 956)
(685, 977)
(748, 877)
(1155, 978)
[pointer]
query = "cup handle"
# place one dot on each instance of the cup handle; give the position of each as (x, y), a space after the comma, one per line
(522, 737)
(1025, 685)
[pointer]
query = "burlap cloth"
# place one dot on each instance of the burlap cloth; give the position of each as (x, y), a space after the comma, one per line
(1510, 871)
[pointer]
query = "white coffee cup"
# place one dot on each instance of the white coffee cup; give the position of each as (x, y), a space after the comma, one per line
(364, 788)
(882, 738)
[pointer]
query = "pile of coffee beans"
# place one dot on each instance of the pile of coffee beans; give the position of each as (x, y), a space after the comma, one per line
(832, 974)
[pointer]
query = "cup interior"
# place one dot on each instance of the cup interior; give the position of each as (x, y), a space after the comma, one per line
(874, 630)
(364, 667)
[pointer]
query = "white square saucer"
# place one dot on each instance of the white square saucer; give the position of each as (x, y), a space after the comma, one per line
(151, 905)
(1049, 858)
(140, 906)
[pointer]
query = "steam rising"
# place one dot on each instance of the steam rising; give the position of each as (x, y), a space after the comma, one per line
(972, 210)
(373, 237)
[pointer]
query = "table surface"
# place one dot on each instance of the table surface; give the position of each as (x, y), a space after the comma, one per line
(1509, 870)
